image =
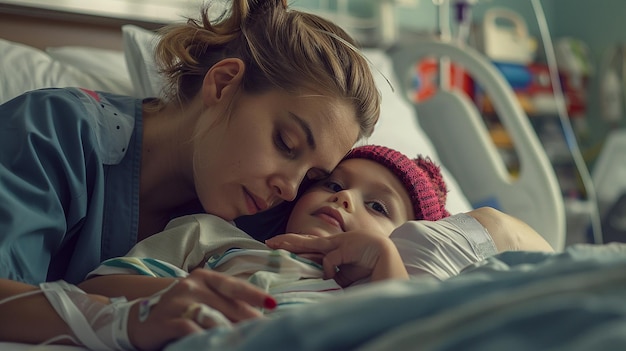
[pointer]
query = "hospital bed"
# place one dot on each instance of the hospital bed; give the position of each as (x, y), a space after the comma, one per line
(573, 299)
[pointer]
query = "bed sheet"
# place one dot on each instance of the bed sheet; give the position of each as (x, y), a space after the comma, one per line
(12, 346)
(573, 300)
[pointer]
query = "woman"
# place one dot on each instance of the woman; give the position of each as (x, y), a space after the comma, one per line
(258, 101)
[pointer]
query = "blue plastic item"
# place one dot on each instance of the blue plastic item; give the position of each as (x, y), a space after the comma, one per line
(518, 76)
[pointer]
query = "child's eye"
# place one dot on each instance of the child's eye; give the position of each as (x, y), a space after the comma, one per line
(378, 207)
(282, 145)
(333, 186)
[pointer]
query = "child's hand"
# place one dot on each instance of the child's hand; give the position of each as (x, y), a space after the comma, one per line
(347, 257)
(178, 311)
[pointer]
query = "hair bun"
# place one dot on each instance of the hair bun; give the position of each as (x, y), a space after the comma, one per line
(261, 6)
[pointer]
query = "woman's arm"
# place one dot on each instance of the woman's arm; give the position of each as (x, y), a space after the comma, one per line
(31, 319)
(130, 286)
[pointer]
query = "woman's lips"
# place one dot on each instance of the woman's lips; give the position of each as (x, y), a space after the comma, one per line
(254, 203)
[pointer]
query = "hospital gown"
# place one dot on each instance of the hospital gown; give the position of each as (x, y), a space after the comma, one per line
(69, 182)
(210, 242)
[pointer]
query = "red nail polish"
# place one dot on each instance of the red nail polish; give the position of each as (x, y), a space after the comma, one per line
(269, 303)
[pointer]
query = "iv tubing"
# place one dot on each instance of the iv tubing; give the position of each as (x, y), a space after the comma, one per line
(567, 127)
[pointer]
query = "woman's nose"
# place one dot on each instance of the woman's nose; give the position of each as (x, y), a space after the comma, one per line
(286, 187)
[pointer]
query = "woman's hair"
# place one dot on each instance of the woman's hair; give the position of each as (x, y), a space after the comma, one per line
(281, 48)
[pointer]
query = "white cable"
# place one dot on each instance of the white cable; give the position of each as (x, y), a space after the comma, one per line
(579, 162)
(19, 296)
(69, 312)
(52, 339)
(44, 345)
(96, 325)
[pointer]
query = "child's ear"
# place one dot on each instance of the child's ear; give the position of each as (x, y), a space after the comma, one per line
(222, 80)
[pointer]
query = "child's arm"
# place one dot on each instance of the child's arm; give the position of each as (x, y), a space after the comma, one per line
(389, 264)
(358, 255)
(509, 233)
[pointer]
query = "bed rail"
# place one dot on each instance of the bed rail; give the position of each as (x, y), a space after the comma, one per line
(461, 138)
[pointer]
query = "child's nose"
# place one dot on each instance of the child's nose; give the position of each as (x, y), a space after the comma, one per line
(344, 199)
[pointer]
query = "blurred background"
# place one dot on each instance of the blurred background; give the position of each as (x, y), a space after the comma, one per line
(565, 60)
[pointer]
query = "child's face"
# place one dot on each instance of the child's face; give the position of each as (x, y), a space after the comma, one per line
(359, 194)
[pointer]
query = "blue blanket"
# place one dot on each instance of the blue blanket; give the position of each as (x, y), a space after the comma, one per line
(573, 300)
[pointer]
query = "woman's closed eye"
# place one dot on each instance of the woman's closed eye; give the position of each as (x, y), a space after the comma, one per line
(316, 175)
(283, 145)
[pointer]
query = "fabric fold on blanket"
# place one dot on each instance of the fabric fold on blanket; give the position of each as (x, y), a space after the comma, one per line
(572, 300)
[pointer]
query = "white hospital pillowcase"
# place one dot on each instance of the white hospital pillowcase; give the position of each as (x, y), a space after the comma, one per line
(139, 44)
(105, 63)
(24, 68)
(397, 127)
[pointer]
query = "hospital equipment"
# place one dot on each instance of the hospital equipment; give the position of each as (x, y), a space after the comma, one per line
(481, 308)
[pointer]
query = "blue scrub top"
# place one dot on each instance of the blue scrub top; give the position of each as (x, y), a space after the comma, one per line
(69, 182)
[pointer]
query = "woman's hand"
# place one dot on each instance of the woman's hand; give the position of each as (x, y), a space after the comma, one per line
(178, 311)
(346, 257)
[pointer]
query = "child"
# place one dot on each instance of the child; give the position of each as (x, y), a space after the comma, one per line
(85, 175)
(372, 191)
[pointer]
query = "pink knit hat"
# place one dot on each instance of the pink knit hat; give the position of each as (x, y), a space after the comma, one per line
(421, 178)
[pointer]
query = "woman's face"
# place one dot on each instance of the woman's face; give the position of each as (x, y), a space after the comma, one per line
(257, 157)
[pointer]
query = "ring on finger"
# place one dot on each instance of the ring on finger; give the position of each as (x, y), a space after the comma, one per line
(190, 312)
(202, 311)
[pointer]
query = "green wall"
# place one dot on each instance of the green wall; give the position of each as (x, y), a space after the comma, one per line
(598, 23)
(601, 24)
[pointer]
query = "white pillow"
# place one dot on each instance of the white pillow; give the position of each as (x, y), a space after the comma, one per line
(106, 63)
(139, 44)
(397, 127)
(24, 68)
